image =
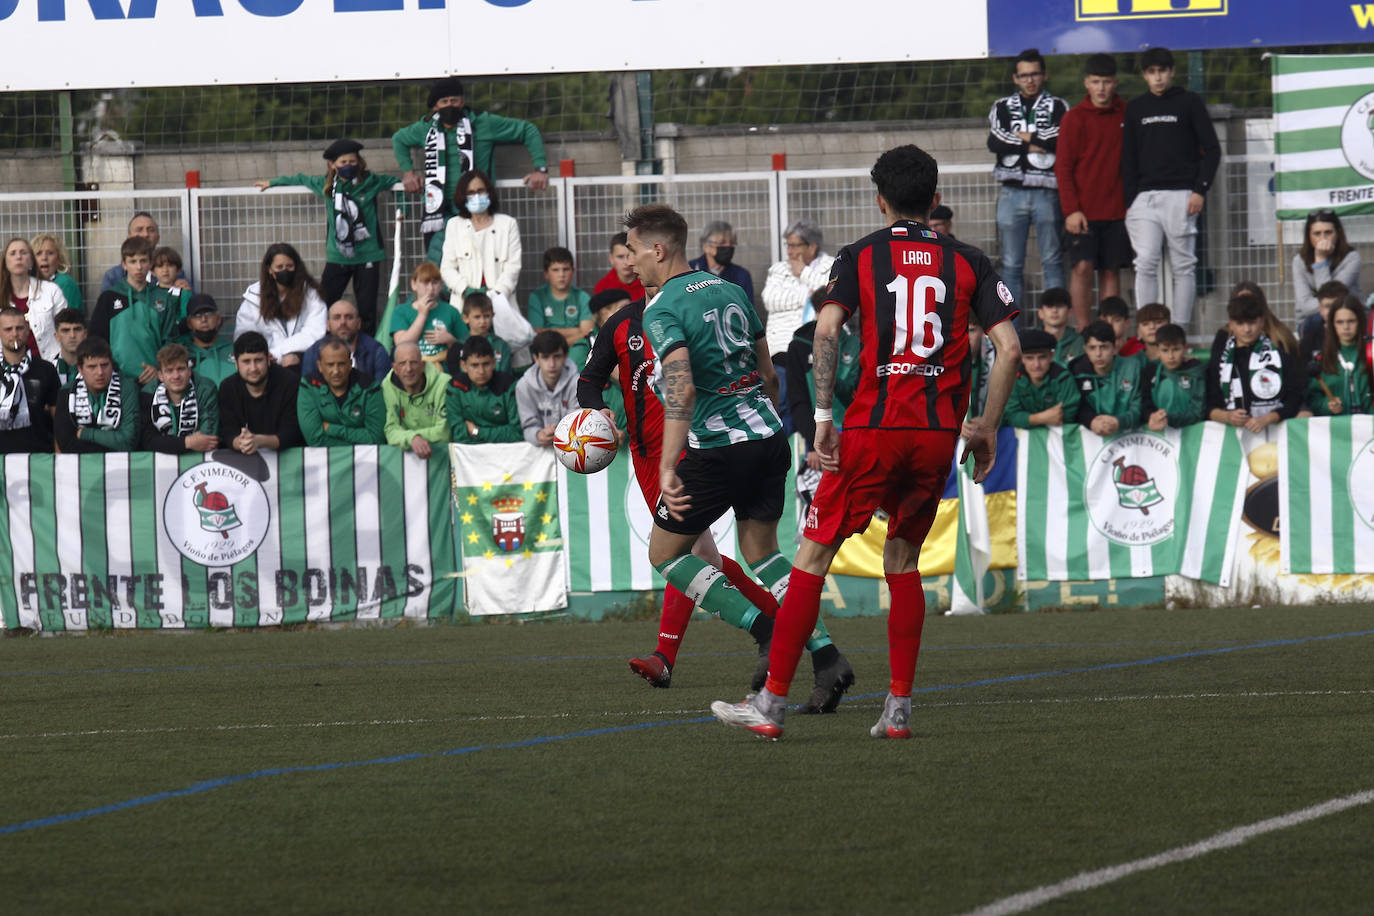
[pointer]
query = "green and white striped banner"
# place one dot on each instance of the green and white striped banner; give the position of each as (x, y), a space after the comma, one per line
(1324, 133)
(146, 540)
(1135, 505)
(1326, 495)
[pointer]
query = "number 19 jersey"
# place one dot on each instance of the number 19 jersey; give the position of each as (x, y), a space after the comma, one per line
(914, 291)
(713, 319)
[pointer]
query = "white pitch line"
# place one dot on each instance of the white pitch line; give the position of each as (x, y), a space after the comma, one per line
(1019, 903)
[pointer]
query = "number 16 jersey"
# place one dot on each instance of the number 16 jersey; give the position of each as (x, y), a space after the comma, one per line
(914, 291)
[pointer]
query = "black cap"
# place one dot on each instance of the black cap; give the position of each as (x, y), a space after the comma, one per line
(201, 302)
(942, 212)
(608, 297)
(341, 148)
(449, 85)
(1033, 339)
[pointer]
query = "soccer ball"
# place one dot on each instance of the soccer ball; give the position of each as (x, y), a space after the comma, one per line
(584, 441)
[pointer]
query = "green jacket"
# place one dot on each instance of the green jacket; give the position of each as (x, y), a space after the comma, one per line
(1351, 387)
(70, 289)
(492, 409)
(410, 415)
(1057, 387)
(1116, 394)
(123, 438)
(1181, 393)
(487, 130)
(364, 193)
(358, 418)
(207, 417)
(214, 363)
(1069, 348)
(138, 323)
(499, 347)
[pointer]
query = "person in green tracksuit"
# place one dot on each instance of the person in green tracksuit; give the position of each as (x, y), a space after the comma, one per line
(134, 314)
(454, 139)
(562, 307)
(481, 401)
(336, 405)
(353, 241)
(1175, 387)
(1054, 319)
(416, 397)
(212, 356)
(1045, 393)
(98, 410)
(1108, 387)
(1342, 369)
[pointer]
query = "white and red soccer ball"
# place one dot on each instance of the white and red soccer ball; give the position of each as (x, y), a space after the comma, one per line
(584, 441)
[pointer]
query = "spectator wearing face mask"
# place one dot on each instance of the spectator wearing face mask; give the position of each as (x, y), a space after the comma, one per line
(284, 306)
(718, 257)
(453, 140)
(353, 236)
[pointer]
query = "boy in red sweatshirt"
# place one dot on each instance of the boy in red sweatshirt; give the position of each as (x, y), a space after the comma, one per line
(1090, 192)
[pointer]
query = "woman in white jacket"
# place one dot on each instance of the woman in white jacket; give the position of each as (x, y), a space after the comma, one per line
(39, 299)
(291, 314)
(790, 283)
(482, 251)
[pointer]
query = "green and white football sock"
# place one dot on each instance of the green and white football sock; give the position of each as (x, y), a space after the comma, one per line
(712, 591)
(773, 571)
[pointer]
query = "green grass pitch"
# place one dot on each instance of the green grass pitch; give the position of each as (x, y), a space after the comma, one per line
(513, 768)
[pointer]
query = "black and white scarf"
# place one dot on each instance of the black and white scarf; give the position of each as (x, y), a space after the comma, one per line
(165, 413)
(1265, 375)
(12, 396)
(79, 404)
(349, 229)
(436, 170)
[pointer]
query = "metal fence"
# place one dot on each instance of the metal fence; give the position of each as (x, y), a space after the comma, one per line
(222, 232)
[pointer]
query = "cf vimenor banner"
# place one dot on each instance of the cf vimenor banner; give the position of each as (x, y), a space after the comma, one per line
(327, 40)
(1088, 26)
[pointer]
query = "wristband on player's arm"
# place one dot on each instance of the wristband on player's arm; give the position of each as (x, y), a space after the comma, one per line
(825, 415)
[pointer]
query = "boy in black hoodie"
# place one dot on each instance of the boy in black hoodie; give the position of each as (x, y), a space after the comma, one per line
(1169, 156)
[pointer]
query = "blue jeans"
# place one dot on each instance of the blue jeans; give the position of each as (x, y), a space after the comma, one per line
(1017, 210)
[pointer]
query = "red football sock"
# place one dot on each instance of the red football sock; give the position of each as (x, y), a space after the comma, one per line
(758, 596)
(677, 613)
(796, 620)
(905, 617)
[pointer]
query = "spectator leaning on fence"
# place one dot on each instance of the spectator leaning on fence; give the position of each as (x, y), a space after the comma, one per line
(1169, 156)
(284, 306)
(1252, 380)
(415, 393)
(481, 400)
(212, 357)
(1088, 168)
(1024, 136)
(454, 140)
(367, 355)
(29, 388)
(71, 330)
(54, 264)
(145, 227)
(337, 404)
(547, 392)
(98, 411)
(353, 236)
(788, 287)
(1045, 393)
(257, 404)
(718, 243)
(622, 274)
(1175, 386)
(1325, 256)
(1341, 384)
(1108, 385)
(40, 300)
(180, 413)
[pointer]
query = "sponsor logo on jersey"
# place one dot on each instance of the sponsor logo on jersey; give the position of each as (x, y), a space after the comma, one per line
(635, 342)
(1003, 293)
(702, 284)
(927, 369)
(743, 383)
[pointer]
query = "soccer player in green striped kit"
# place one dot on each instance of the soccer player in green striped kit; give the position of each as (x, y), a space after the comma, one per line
(723, 446)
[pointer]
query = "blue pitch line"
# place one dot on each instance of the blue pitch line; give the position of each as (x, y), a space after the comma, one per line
(211, 784)
(374, 663)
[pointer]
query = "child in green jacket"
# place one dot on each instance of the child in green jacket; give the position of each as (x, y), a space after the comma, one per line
(1175, 387)
(1108, 385)
(1341, 385)
(481, 401)
(1045, 393)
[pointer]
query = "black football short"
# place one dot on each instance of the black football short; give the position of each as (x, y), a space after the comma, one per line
(749, 477)
(1106, 244)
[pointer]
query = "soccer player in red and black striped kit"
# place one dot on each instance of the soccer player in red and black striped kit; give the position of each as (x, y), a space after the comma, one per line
(622, 348)
(915, 292)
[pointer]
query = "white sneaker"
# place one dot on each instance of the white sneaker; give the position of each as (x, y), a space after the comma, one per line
(895, 722)
(760, 713)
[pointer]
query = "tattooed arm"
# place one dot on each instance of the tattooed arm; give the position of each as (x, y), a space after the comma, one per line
(679, 397)
(825, 354)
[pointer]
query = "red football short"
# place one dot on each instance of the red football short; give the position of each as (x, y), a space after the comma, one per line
(900, 470)
(646, 472)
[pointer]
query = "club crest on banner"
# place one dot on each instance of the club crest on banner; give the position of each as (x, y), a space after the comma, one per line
(1357, 135)
(1361, 472)
(1131, 489)
(508, 523)
(216, 515)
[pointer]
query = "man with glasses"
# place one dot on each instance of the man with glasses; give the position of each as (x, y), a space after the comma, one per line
(718, 257)
(1024, 132)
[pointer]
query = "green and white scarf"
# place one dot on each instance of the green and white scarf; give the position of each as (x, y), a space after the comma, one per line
(165, 413)
(111, 413)
(436, 169)
(349, 229)
(1265, 377)
(12, 397)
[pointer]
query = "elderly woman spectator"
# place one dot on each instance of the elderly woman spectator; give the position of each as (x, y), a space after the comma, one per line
(54, 264)
(482, 253)
(718, 256)
(39, 299)
(284, 306)
(787, 291)
(1325, 255)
